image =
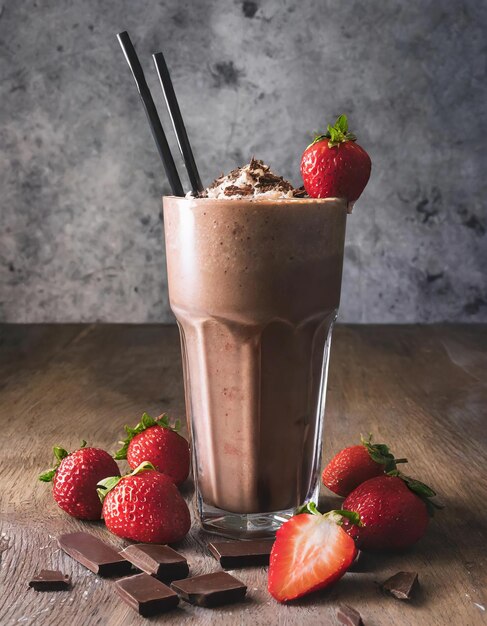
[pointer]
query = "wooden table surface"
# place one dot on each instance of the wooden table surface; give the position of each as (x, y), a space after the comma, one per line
(422, 389)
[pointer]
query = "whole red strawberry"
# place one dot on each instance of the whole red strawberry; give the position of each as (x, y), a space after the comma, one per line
(144, 506)
(158, 443)
(75, 478)
(334, 165)
(394, 510)
(311, 551)
(356, 464)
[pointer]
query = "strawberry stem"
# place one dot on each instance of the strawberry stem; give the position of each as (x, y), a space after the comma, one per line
(420, 489)
(107, 484)
(308, 507)
(336, 134)
(380, 453)
(336, 516)
(339, 515)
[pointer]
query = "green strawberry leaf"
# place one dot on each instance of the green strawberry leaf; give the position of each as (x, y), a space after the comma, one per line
(336, 134)
(47, 477)
(59, 455)
(351, 516)
(146, 422)
(420, 489)
(319, 138)
(342, 124)
(336, 515)
(121, 454)
(308, 507)
(107, 484)
(339, 132)
(381, 454)
(415, 485)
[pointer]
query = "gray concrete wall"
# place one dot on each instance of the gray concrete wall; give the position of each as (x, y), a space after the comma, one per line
(81, 229)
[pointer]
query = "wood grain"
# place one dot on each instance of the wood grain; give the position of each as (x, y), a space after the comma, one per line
(421, 389)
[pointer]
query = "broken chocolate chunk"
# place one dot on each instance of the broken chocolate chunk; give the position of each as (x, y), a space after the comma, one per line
(147, 595)
(94, 554)
(50, 580)
(210, 589)
(402, 585)
(349, 616)
(160, 561)
(234, 554)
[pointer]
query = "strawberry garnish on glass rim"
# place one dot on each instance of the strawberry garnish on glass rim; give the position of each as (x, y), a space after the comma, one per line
(311, 552)
(334, 165)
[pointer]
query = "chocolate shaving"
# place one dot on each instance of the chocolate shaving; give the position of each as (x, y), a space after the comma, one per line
(300, 193)
(260, 181)
(232, 190)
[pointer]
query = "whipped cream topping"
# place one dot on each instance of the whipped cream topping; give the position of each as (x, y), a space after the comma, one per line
(252, 180)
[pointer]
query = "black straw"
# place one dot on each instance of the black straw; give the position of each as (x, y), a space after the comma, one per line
(177, 121)
(151, 111)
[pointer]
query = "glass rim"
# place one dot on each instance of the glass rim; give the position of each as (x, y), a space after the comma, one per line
(254, 200)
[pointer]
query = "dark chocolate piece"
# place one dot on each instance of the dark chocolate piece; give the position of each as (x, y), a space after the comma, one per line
(160, 561)
(349, 616)
(50, 580)
(94, 554)
(146, 595)
(234, 554)
(210, 589)
(402, 585)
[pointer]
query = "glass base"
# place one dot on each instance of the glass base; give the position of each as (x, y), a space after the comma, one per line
(245, 525)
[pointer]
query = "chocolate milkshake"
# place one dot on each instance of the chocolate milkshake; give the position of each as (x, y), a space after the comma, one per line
(254, 281)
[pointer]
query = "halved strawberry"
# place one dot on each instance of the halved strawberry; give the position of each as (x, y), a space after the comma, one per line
(311, 551)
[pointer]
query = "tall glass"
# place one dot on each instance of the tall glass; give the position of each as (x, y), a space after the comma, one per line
(255, 287)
